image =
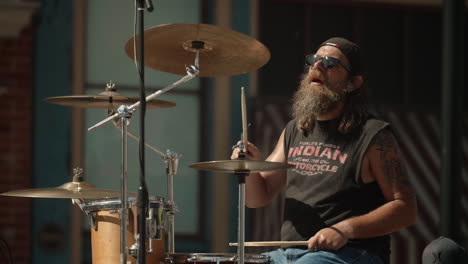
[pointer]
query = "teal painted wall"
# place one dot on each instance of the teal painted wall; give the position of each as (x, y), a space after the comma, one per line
(51, 131)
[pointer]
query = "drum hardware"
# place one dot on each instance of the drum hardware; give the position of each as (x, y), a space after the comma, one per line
(214, 258)
(135, 248)
(171, 159)
(241, 224)
(124, 113)
(92, 220)
(154, 228)
(91, 207)
(241, 181)
(105, 232)
(192, 72)
(172, 163)
(155, 221)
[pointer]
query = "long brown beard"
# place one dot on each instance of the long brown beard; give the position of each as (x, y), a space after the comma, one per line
(312, 100)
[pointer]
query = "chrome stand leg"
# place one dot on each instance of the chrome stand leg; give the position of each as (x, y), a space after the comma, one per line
(125, 114)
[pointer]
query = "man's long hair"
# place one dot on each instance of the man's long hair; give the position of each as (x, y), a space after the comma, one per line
(355, 113)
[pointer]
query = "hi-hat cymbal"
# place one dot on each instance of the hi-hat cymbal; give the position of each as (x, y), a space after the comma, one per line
(104, 101)
(70, 190)
(223, 52)
(240, 166)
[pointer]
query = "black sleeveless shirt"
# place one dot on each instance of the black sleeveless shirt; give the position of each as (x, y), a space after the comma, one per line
(325, 186)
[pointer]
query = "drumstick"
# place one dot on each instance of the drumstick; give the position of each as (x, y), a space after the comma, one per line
(244, 118)
(272, 243)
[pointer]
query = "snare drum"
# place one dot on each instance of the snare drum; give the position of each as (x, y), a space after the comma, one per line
(214, 258)
(105, 230)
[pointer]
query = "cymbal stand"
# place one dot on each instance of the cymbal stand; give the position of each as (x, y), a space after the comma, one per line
(125, 112)
(241, 181)
(241, 229)
(125, 115)
(137, 138)
(172, 162)
(192, 72)
(241, 218)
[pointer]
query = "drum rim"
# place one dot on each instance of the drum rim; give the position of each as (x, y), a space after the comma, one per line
(251, 258)
(107, 204)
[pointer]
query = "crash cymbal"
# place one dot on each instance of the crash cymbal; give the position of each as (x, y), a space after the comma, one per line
(104, 101)
(223, 52)
(236, 166)
(70, 190)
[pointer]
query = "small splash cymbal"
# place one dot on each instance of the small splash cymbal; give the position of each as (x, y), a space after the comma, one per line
(222, 51)
(104, 101)
(240, 166)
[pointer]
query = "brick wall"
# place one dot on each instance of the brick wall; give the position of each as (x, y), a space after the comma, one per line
(16, 94)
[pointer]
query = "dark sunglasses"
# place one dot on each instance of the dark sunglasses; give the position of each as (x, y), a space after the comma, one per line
(327, 62)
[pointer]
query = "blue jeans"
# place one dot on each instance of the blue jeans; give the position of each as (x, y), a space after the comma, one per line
(341, 256)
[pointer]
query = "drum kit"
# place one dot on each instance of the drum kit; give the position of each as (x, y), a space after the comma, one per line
(217, 51)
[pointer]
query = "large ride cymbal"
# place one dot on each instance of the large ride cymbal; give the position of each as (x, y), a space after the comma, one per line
(104, 101)
(70, 190)
(223, 52)
(240, 166)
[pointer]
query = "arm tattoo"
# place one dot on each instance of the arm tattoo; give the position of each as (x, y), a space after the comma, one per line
(390, 161)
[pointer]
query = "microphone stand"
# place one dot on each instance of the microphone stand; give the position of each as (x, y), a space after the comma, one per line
(142, 202)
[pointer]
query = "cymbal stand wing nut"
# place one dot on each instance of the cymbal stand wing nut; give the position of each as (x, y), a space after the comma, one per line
(125, 112)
